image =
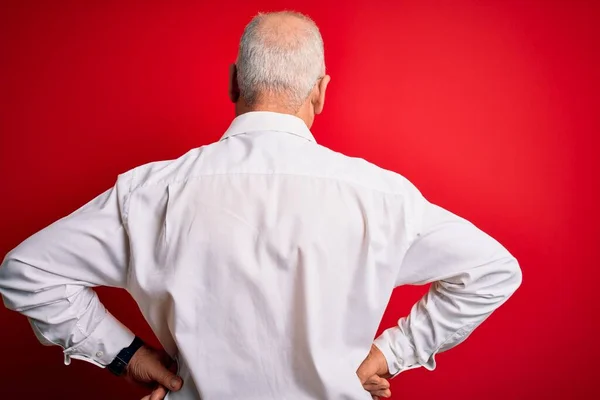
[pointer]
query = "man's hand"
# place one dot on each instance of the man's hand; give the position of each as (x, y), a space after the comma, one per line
(372, 373)
(154, 369)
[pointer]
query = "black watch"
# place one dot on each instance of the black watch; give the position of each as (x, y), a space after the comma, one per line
(119, 364)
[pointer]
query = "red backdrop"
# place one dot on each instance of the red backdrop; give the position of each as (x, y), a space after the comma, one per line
(489, 107)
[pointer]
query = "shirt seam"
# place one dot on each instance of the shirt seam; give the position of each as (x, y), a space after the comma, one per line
(127, 198)
(324, 177)
(125, 224)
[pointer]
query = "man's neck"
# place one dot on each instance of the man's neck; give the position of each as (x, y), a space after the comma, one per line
(303, 113)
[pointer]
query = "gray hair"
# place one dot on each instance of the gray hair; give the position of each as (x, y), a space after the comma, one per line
(280, 59)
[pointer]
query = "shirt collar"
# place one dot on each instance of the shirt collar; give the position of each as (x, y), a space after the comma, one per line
(256, 121)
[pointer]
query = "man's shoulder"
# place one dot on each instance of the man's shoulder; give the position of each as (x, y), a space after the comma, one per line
(162, 172)
(361, 172)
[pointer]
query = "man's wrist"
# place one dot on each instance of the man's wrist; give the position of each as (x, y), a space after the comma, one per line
(119, 365)
(103, 344)
(384, 344)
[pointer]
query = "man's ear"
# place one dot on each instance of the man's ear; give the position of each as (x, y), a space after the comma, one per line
(319, 102)
(234, 90)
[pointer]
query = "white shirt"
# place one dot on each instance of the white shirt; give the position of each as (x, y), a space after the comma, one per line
(264, 263)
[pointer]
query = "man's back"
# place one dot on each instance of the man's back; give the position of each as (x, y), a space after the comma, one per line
(273, 260)
(263, 263)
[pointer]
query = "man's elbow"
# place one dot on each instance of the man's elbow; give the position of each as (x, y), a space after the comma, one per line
(501, 280)
(7, 273)
(17, 282)
(5, 270)
(514, 276)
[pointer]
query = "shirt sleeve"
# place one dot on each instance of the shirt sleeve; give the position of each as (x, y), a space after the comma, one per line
(49, 279)
(471, 275)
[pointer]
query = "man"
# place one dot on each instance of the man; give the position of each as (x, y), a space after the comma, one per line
(263, 262)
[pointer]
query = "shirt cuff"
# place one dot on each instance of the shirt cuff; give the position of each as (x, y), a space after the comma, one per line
(103, 344)
(399, 352)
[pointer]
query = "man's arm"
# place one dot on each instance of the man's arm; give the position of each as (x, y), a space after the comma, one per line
(472, 276)
(48, 278)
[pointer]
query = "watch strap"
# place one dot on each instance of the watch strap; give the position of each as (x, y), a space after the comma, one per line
(119, 364)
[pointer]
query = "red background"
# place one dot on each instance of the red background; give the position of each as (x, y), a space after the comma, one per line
(489, 107)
